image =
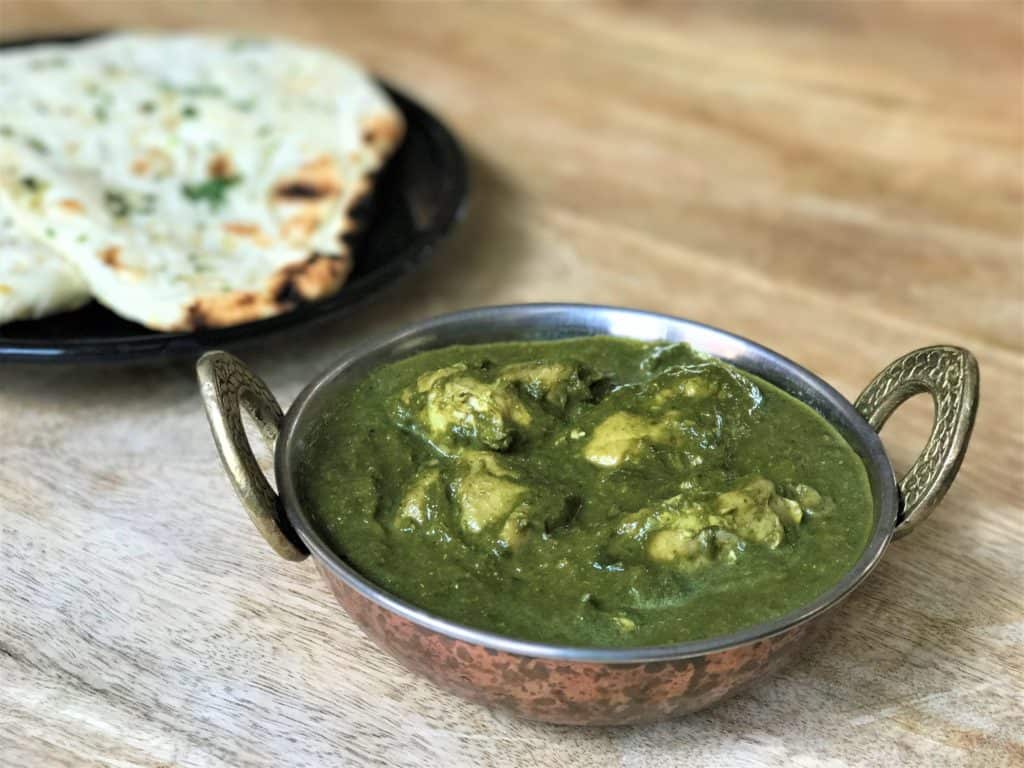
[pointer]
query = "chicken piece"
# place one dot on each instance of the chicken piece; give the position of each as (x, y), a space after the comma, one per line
(676, 411)
(682, 532)
(455, 408)
(696, 387)
(812, 502)
(756, 512)
(688, 533)
(622, 436)
(422, 501)
(692, 551)
(498, 507)
(427, 380)
(485, 492)
(678, 513)
(514, 532)
(807, 496)
(555, 383)
(686, 385)
(787, 510)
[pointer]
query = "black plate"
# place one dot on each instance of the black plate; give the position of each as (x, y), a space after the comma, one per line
(419, 196)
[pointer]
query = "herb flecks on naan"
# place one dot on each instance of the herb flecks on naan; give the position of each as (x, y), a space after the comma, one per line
(192, 181)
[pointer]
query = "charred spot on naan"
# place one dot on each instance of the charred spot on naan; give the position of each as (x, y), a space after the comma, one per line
(220, 167)
(247, 230)
(313, 278)
(242, 228)
(111, 256)
(71, 205)
(354, 220)
(317, 180)
(382, 132)
(152, 162)
(223, 309)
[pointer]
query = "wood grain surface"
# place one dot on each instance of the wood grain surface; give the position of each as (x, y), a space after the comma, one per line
(839, 180)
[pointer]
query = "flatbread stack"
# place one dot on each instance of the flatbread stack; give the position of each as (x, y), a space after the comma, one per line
(183, 181)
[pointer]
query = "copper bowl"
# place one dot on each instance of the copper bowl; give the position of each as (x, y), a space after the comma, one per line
(568, 684)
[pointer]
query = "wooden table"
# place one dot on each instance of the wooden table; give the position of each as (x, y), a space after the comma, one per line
(842, 181)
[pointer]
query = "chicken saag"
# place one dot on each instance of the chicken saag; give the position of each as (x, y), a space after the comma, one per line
(595, 492)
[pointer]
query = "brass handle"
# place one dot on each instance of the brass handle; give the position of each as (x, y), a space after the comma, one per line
(227, 386)
(950, 376)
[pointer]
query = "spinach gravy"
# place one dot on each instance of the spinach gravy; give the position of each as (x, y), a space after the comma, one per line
(587, 492)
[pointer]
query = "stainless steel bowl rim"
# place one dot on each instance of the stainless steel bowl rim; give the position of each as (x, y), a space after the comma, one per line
(573, 320)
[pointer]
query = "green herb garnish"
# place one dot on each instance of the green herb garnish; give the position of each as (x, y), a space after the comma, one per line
(189, 111)
(117, 204)
(38, 145)
(123, 204)
(212, 191)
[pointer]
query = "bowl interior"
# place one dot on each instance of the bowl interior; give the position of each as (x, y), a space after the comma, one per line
(561, 321)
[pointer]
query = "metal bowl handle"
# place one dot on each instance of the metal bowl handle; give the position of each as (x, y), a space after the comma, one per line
(950, 376)
(227, 387)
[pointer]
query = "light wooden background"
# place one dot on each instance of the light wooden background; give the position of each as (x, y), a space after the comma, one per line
(840, 180)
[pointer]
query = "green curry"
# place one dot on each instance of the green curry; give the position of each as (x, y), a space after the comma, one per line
(591, 492)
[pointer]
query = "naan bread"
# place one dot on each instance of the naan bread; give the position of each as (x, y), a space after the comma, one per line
(193, 181)
(34, 280)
